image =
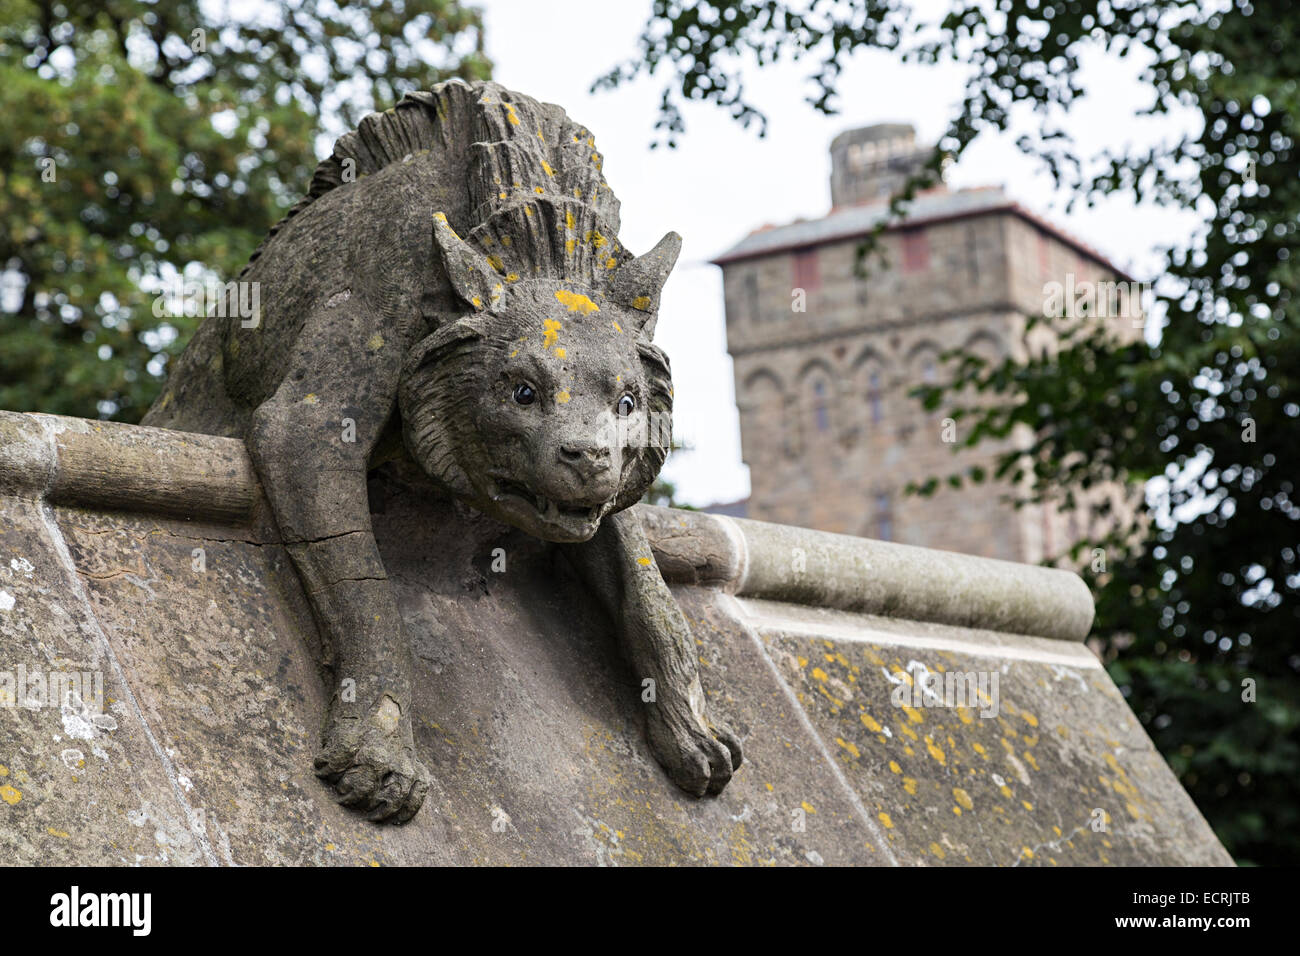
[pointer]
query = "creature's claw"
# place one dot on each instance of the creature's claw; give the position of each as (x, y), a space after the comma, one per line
(372, 765)
(700, 759)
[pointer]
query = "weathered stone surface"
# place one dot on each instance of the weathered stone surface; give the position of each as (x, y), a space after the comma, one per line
(525, 712)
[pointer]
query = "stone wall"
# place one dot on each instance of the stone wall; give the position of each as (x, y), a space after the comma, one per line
(146, 557)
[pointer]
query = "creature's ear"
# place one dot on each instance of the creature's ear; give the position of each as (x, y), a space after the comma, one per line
(638, 282)
(468, 270)
(438, 344)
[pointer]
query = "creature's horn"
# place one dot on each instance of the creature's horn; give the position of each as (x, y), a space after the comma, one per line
(468, 270)
(638, 282)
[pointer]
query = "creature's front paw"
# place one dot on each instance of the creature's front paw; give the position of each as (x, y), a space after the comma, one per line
(371, 762)
(699, 755)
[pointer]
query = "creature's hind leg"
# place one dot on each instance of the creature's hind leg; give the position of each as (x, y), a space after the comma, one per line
(310, 442)
(194, 397)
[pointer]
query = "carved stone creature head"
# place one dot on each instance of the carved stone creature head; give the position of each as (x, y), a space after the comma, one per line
(543, 403)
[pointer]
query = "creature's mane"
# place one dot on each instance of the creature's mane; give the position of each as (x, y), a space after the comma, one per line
(538, 203)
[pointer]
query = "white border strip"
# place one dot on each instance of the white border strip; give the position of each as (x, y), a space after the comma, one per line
(741, 546)
(1079, 656)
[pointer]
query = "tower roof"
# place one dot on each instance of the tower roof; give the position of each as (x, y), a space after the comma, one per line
(926, 209)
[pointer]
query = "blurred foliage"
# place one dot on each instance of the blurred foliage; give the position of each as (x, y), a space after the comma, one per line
(144, 140)
(664, 494)
(1199, 592)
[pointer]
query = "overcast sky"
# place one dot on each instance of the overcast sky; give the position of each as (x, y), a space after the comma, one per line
(722, 181)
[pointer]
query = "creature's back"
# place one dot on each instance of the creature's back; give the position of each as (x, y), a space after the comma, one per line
(481, 155)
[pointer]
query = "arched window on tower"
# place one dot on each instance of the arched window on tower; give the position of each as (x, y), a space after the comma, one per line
(762, 418)
(874, 397)
(884, 516)
(930, 375)
(821, 412)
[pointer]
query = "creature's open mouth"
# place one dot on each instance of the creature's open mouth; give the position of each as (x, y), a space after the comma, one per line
(572, 519)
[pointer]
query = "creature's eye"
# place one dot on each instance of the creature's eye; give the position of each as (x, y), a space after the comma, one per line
(625, 405)
(524, 394)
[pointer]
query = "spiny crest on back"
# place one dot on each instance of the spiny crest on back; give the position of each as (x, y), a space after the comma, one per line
(529, 153)
(538, 204)
(541, 208)
(416, 124)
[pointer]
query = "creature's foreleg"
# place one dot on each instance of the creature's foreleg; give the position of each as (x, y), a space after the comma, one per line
(311, 442)
(698, 753)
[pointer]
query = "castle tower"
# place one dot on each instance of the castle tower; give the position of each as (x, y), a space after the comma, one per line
(828, 429)
(873, 162)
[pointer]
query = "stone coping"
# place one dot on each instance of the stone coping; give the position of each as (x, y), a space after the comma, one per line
(115, 466)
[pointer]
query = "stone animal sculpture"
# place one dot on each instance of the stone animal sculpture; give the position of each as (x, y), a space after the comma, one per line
(453, 282)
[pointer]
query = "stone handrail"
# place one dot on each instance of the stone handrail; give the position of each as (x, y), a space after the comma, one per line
(115, 466)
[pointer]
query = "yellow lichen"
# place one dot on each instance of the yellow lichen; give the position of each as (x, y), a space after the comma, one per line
(576, 302)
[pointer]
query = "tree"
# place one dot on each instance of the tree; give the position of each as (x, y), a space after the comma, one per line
(1198, 600)
(147, 141)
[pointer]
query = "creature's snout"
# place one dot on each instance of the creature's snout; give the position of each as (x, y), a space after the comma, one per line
(589, 459)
